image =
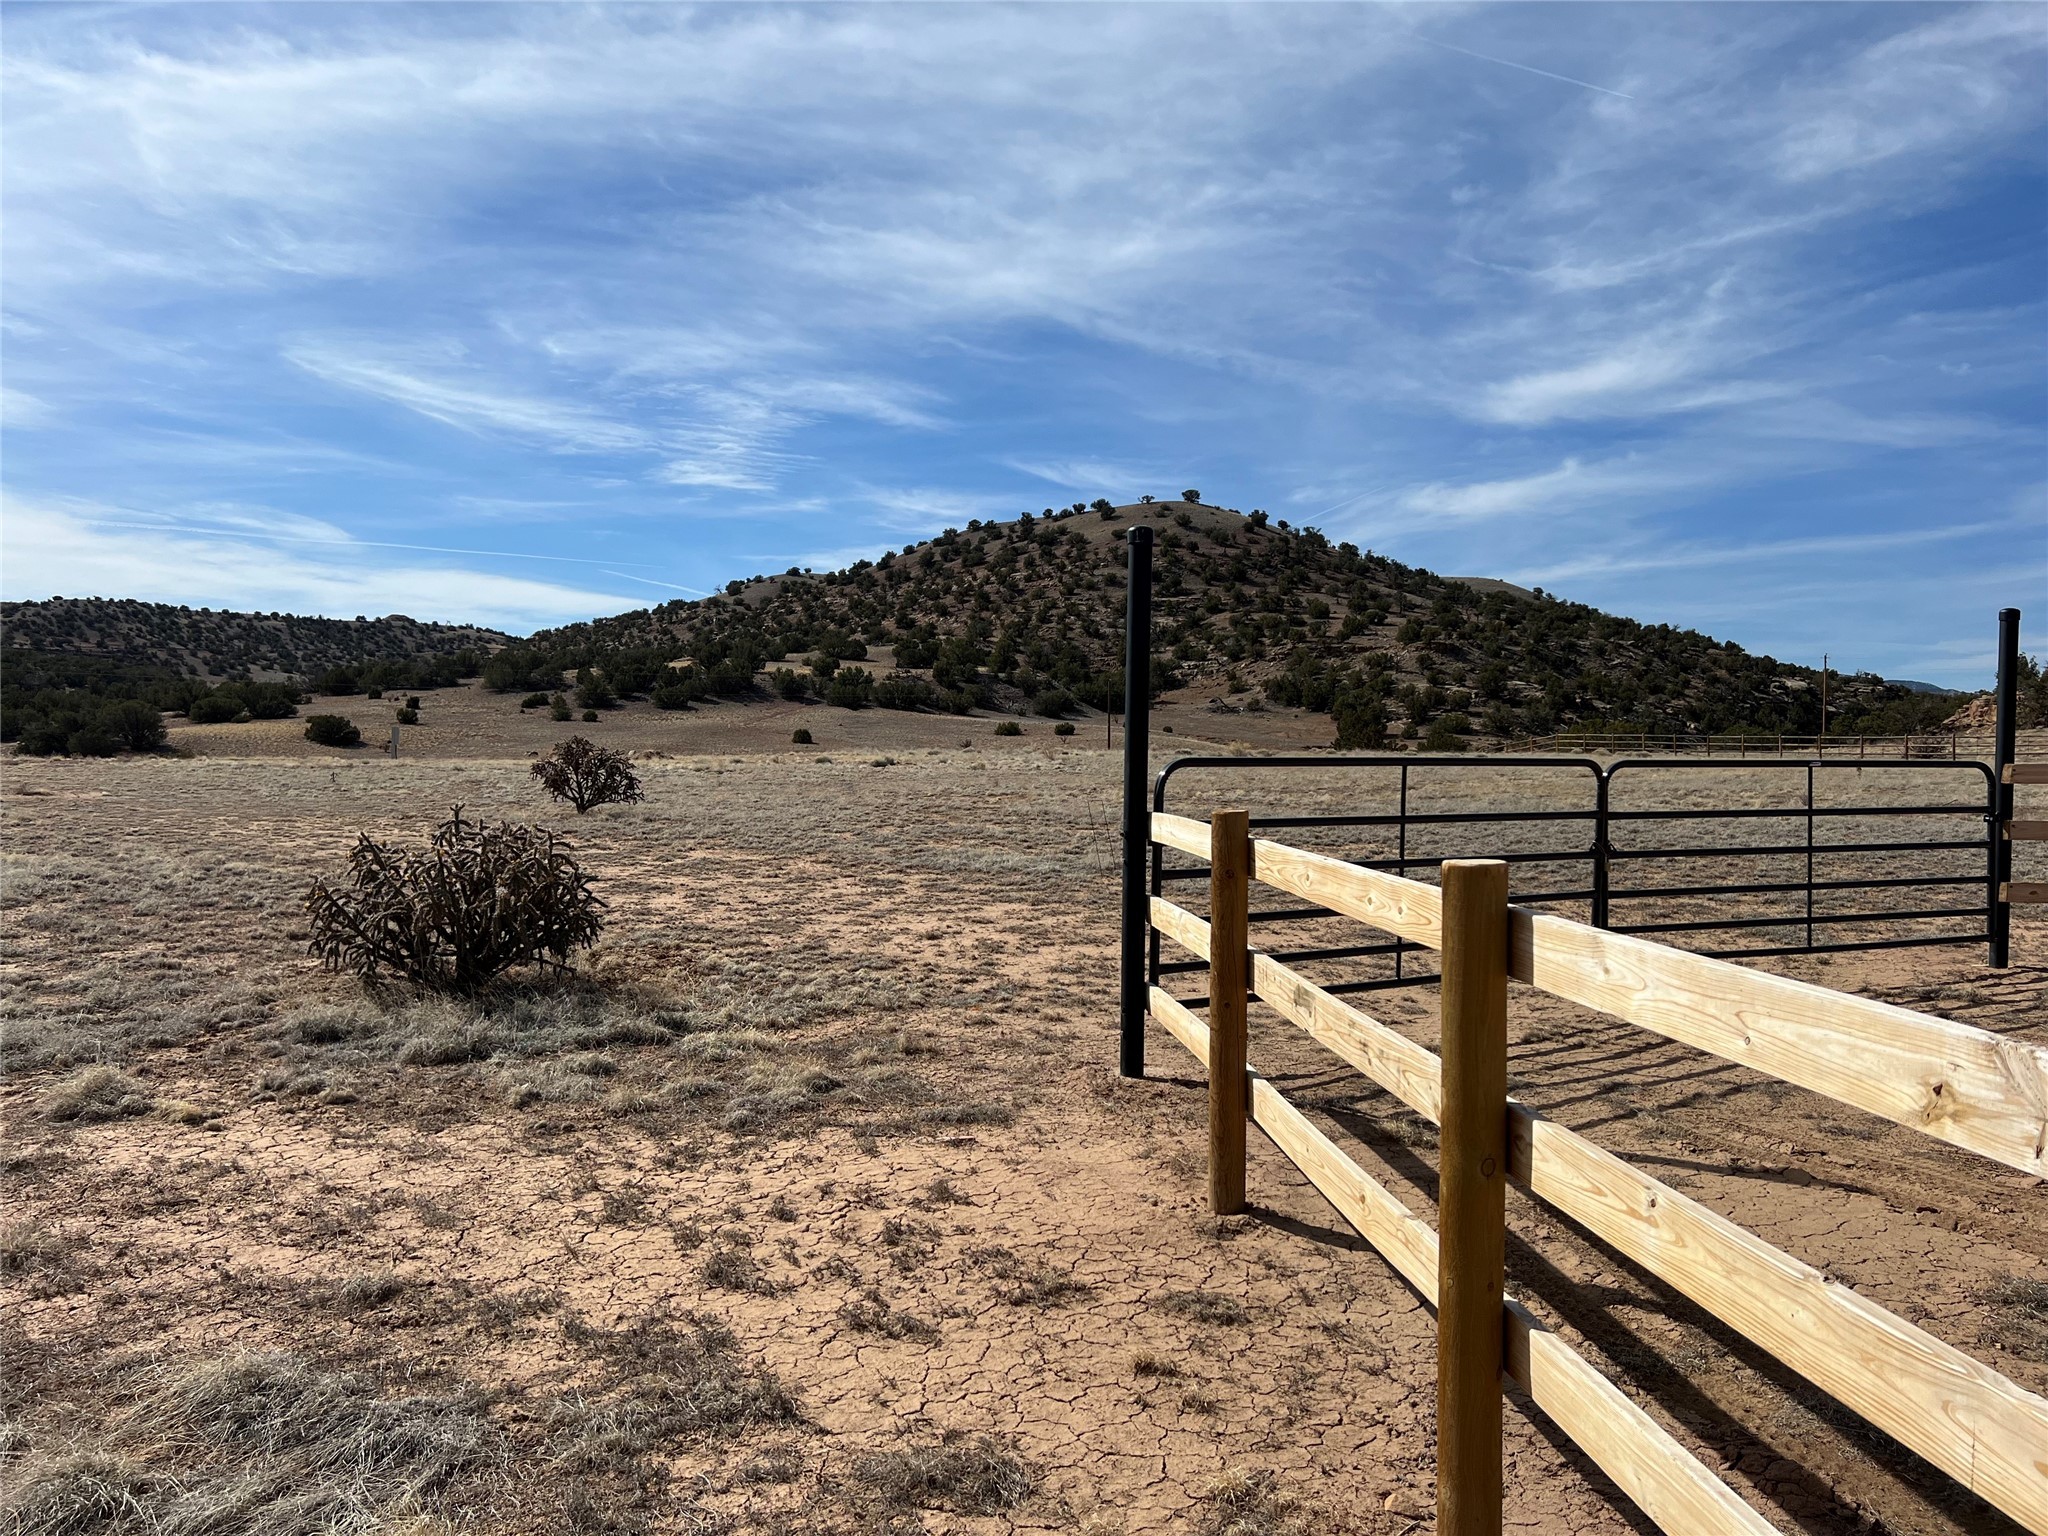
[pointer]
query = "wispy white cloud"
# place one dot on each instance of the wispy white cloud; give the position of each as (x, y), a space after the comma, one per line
(1482, 499)
(86, 551)
(562, 425)
(925, 510)
(1120, 482)
(685, 266)
(1922, 91)
(20, 410)
(1692, 556)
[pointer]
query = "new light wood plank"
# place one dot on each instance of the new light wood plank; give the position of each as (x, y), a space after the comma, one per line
(1668, 1484)
(1406, 908)
(1958, 1413)
(1182, 832)
(2024, 893)
(1986, 1432)
(2027, 831)
(1190, 932)
(1408, 1071)
(2026, 773)
(1403, 1238)
(1182, 1024)
(1965, 1086)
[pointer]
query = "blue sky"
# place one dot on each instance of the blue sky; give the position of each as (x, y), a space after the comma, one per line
(1729, 316)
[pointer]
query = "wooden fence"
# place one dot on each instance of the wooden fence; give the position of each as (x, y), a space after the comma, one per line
(1962, 1085)
(2025, 893)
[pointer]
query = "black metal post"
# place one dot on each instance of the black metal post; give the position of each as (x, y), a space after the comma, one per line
(1601, 871)
(1137, 812)
(1809, 855)
(1401, 869)
(2004, 747)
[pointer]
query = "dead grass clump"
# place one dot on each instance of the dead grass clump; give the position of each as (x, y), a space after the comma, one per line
(673, 1382)
(475, 902)
(361, 1293)
(323, 1024)
(2020, 1322)
(96, 1093)
(744, 993)
(870, 1312)
(86, 1491)
(979, 1112)
(966, 1474)
(778, 1091)
(258, 1444)
(1248, 1503)
(1029, 1284)
(26, 1245)
(909, 1241)
(1210, 1307)
(781, 1465)
(730, 1267)
(448, 1047)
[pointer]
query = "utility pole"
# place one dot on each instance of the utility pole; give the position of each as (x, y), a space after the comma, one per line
(1823, 695)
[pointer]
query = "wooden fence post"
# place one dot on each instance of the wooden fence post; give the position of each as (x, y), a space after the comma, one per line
(1230, 852)
(1472, 1196)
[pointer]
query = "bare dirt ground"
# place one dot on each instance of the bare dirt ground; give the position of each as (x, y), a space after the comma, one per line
(469, 722)
(815, 1206)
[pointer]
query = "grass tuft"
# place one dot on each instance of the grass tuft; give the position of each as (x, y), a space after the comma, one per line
(1204, 1307)
(257, 1443)
(969, 1475)
(96, 1093)
(870, 1312)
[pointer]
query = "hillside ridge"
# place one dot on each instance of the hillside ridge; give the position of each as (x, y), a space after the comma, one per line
(1248, 611)
(1026, 615)
(216, 643)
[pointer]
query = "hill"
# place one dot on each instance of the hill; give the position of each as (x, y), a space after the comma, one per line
(93, 676)
(211, 644)
(1014, 616)
(1028, 613)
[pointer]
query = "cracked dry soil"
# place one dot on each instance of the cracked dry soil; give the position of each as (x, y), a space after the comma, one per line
(814, 1205)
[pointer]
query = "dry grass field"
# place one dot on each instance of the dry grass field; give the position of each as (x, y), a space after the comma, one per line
(813, 1203)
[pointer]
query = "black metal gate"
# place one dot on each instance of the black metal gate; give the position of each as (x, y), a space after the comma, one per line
(1821, 853)
(1813, 859)
(1810, 887)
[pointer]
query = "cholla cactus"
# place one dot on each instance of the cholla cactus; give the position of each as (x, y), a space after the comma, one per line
(472, 904)
(585, 774)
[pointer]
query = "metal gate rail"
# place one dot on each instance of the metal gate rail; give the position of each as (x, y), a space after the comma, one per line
(1600, 888)
(1981, 809)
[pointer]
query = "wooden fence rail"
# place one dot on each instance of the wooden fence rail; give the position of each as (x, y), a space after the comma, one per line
(2025, 893)
(1946, 1079)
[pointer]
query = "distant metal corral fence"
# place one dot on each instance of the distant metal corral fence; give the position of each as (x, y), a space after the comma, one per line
(1945, 746)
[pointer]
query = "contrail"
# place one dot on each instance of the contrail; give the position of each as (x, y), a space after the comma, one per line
(650, 581)
(1488, 58)
(231, 531)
